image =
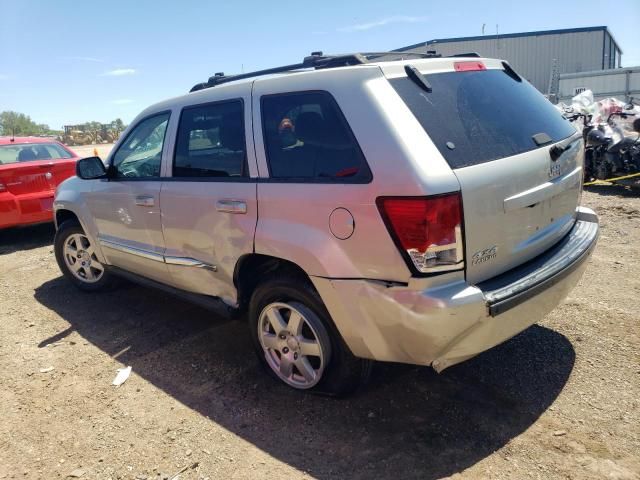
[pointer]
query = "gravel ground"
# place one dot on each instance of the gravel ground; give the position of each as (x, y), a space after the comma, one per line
(103, 150)
(560, 400)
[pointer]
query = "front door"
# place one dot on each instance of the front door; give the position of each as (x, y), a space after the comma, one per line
(126, 208)
(209, 208)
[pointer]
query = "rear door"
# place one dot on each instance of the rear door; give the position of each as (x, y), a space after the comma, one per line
(61, 168)
(23, 178)
(518, 161)
(209, 209)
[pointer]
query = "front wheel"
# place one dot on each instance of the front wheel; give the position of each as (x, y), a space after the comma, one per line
(297, 342)
(77, 259)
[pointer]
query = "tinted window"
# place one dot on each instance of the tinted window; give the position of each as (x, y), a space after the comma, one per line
(307, 137)
(479, 116)
(211, 141)
(31, 152)
(140, 154)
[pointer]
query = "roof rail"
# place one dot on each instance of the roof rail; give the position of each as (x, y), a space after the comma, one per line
(316, 60)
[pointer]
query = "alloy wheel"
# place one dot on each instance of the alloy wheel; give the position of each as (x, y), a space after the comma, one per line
(291, 344)
(81, 260)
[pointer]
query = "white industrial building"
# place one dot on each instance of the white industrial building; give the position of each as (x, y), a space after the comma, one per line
(621, 83)
(541, 57)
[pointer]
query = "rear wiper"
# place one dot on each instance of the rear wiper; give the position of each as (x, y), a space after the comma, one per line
(418, 78)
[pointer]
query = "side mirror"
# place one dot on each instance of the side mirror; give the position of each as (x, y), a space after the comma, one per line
(636, 125)
(90, 168)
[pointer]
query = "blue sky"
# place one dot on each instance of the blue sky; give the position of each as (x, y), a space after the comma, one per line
(65, 62)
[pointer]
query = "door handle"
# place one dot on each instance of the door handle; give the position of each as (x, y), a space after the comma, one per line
(231, 206)
(145, 200)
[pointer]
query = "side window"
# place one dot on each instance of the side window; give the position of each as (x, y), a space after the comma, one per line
(307, 137)
(211, 141)
(141, 153)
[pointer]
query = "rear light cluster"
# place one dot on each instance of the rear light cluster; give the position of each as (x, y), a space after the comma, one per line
(428, 230)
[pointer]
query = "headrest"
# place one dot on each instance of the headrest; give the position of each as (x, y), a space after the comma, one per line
(311, 128)
(26, 154)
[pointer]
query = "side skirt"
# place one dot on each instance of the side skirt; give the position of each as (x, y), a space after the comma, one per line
(214, 304)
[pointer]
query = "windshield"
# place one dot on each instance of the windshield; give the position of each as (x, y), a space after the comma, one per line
(29, 152)
(478, 116)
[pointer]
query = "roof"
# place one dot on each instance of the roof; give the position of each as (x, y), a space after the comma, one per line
(19, 140)
(602, 28)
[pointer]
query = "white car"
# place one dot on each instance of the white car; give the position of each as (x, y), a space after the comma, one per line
(353, 208)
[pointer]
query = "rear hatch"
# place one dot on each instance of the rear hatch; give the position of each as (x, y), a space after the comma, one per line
(518, 161)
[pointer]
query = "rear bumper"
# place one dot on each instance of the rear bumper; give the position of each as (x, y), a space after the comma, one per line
(443, 324)
(25, 209)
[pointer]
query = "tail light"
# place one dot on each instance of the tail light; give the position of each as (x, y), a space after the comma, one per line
(2, 187)
(428, 230)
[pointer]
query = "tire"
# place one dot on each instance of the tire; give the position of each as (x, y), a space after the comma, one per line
(77, 260)
(336, 371)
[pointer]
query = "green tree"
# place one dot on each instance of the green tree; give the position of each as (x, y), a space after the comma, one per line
(118, 125)
(14, 123)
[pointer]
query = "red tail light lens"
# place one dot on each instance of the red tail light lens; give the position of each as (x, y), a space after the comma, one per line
(427, 230)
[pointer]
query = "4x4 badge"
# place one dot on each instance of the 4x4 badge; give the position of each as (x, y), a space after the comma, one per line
(485, 255)
(554, 170)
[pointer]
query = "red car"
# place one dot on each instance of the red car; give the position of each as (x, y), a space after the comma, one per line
(30, 170)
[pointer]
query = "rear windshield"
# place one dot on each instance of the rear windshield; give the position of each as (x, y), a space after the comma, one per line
(478, 116)
(28, 152)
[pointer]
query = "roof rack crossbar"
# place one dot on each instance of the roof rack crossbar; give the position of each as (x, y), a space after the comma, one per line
(316, 60)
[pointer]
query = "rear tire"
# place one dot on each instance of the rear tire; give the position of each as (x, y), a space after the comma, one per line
(77, 260)
(297, 342)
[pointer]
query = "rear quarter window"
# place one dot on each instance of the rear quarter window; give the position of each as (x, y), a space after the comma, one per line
(479, 116)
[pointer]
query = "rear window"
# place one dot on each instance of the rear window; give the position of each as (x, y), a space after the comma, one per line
(478, 116)
(30, 152)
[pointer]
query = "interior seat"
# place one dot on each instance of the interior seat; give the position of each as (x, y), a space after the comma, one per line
(26, 155)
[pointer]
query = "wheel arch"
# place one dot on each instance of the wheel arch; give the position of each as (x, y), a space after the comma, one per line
(64, 211)
(253, 267)
(63, 215)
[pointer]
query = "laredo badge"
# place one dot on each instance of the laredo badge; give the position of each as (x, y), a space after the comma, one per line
(482, 256)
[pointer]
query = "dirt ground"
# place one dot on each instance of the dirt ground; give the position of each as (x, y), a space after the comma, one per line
(89, 150)
(559, 401)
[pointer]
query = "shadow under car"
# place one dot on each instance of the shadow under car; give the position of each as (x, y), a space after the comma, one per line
(408, 422)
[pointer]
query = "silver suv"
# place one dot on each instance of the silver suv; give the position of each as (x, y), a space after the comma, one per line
(354, 208)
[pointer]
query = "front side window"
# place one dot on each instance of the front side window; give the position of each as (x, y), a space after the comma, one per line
(140, 155)
(31, 152)
(307, 138)
(211, 141)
